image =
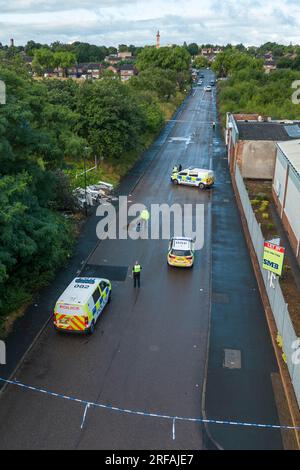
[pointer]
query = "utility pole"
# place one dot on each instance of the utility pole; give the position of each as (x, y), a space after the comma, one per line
(86, 149)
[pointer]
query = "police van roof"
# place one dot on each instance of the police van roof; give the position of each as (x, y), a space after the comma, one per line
(79, 291)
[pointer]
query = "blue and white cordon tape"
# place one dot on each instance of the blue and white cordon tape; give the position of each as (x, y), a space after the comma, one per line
(89, 404)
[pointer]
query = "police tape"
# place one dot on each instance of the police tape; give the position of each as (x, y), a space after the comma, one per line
(89, 404)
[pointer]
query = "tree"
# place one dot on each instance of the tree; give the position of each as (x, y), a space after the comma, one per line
(112, 119)
(175, 58)
(64, 60)
(193, 49)
(232, 60)
(34, 240)
(159, 81)
(285, 63)
(200, 62)
(43, 60)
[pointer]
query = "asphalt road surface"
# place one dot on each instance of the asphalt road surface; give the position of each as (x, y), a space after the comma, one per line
(149, 350)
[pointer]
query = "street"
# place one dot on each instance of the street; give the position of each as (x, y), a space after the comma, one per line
(149, 352)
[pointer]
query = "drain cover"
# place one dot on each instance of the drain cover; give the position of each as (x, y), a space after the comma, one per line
(232, 359)
(112, 273)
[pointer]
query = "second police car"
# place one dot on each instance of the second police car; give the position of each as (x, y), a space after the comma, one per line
(181, 252)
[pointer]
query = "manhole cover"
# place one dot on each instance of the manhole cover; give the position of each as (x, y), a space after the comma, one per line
(232, 359)
(112, 273)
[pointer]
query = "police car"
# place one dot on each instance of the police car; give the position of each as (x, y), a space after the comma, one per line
(198, 177)
(81, 304)
(181, 252)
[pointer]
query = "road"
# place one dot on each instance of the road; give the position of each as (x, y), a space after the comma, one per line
(149, 351)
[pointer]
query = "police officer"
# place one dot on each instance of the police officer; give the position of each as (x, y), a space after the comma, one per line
(136, 271)
(179, 167)
(145, 216)
(213, 125)
(175, 169)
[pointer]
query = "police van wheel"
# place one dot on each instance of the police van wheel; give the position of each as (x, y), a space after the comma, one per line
(175, 182)
(92, 329)
(201, 186)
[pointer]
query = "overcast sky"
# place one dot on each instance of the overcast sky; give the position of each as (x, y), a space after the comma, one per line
(113, 22)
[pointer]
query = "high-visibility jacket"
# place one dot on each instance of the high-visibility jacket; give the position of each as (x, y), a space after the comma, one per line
(137, 268)
(145, 215)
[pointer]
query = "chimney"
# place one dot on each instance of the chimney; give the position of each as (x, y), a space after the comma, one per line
(12, 43)
(158, 40)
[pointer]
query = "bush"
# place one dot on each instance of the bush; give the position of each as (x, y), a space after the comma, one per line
(263, 206)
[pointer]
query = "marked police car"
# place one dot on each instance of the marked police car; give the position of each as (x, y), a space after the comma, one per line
(81, 304)
(181, 252)
(199, 177)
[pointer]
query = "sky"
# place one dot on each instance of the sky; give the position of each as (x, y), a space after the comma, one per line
(114, 22)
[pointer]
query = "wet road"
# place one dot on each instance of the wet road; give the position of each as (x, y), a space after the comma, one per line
(149, 352)
(150, 347)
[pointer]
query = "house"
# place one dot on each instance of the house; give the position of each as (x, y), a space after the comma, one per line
(286, 190)
(94, 70)
(125, 55)
(270, 66)
(251, 143)
(26, 58)
(112, 59)
(113, 69)
(85, 70)
(127, 71)
(210, 52)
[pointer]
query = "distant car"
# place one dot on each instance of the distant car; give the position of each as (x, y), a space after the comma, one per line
(212, 82)
(208, 88)
(201, 75)
(200, 82)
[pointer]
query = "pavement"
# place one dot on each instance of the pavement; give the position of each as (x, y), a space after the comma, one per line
(148, 356)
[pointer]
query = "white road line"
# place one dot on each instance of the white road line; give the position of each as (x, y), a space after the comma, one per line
(84, 415)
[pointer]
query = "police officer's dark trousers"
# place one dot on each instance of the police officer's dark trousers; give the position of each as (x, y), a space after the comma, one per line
(137, 279)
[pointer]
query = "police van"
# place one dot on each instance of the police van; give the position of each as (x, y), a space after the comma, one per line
(181, 252)
(81, 304)
(198, 177)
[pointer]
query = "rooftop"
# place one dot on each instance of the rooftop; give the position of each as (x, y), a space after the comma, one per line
(271, 130)
(291, 151)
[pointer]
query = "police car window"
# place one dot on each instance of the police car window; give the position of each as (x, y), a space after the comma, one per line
(194, 175)
(181, 252)
(183, 173)
(96, 295)
(103, 285)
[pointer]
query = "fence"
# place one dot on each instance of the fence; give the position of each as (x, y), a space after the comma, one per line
(279, 307)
